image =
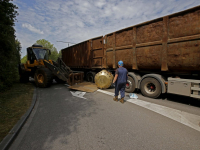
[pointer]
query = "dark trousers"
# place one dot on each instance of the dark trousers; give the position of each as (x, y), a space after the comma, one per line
(120, 87)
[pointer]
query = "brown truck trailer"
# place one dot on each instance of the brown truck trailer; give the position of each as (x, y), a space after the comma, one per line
(161, 55)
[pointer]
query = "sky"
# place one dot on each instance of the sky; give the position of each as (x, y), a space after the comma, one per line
(75, 21)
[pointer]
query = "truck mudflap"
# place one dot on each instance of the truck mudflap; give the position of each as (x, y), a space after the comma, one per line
(63, 72)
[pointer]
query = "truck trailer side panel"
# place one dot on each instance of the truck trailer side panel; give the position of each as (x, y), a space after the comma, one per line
(86, 55)
(77, 56)
(97, 52)
(171, 43)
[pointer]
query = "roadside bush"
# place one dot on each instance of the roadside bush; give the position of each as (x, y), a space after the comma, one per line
(9, 47)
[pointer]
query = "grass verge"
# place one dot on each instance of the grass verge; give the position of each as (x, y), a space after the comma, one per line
(13, 105)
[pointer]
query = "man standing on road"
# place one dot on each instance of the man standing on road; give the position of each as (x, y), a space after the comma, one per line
(121, 75)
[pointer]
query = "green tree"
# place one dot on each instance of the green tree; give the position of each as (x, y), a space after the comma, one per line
(24, 59)
(9, 48)
(18, 50)
(60, 54)
(47, 44)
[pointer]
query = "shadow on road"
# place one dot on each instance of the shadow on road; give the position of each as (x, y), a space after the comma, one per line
(182, 99)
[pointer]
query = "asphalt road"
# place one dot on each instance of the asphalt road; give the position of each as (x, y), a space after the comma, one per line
(60, 121)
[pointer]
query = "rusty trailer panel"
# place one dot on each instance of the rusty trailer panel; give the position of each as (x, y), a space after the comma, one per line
(97, 52)
(88, 54)
(170, 43)
(77, 56)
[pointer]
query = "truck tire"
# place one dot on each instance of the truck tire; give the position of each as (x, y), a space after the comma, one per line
(90, 76)
(150, 87)
(43, 77)
(130, 85)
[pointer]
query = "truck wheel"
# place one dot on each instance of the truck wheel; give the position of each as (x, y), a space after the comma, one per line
(130, 85)
(90, 76)
(150, 87)
(43, 77)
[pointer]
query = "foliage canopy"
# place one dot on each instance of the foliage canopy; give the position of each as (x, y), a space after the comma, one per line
(9, 47)
(47, 44)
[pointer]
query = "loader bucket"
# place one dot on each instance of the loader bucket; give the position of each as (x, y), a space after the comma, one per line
(63, 72)
(75, 77)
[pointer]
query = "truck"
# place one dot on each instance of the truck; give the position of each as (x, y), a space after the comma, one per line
(161, 55)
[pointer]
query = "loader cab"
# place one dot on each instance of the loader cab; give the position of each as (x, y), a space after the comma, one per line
(37, 52)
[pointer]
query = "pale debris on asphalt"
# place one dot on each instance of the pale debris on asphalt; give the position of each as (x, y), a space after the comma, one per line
(78, 94)
(132, 95)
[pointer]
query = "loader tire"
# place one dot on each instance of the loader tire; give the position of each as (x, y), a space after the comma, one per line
(43, 77)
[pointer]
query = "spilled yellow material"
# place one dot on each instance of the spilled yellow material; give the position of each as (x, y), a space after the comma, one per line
(84, 86)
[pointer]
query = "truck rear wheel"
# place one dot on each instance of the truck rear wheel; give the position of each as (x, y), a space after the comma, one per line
(90, 76)
(150, 87)
(43, 77)
(130, 85)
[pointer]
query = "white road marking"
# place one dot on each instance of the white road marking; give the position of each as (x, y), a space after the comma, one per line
(106, 92)
(78, 94)
(190, 120)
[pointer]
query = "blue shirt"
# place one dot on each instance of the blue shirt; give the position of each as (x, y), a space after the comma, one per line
(122, 75)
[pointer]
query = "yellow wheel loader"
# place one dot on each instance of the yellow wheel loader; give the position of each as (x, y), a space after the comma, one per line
(44, 70)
